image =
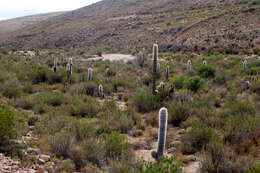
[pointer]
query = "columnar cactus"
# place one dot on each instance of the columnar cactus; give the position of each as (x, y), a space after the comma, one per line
(69, 68)
(107, 71)
(155, 57)
(163, 120)
(167, 73)
(247, 84)
(90, 77)
(189, 65)
(140, 59)
(245, 64)
(55, 65)
(158, 67)
(161, 85)
(100, 91)
(204, 62)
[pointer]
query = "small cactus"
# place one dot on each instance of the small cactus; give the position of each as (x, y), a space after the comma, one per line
(204, 62)
(155, 57)
(245, 65)
(90, 77)
(247, 84)
(167, 73)
(189, 65)
(140, 59)
(107, 71)
(100, 91)
(163, 120)
(55, 65)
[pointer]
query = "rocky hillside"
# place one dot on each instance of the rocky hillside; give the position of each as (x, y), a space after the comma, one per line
(127, 24)
(11, 25)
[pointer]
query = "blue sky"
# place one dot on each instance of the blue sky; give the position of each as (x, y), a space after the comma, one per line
(17, 8)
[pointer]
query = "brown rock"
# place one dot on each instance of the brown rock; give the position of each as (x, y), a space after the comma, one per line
(44, 157)
(15, 168)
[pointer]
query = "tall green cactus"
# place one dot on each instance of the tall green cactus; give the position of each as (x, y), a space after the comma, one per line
(90, 77)
(155, 57)
(107, 71)
(55, 65)
(163, 120)
(167, 73)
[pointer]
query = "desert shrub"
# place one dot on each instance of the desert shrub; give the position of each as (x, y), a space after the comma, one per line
(221, 77)
(26, 102)
(178, 81)
(240, 108)
(256, 87)
(116, 145)
(256, 51)
(33, 119)
(206, 71)
(84, 106)
(197, 138)
(7, 124)
(147, 80)
(40, 108)
(90, 88)
(65, 166)
(61, 144)
(124, 165)
(215, 160)
(38, 75)
(114, 119)
(145, 101)
(193, 83)
(166, 165)
(255, 166)
(49, 98)
(241, 131)
(12, 91)
(58, 77)
(178, 112)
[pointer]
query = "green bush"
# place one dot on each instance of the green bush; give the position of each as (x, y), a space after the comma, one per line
(197, 138)
(61, 144)
(178, 112)
(38, 75)
(7, 124)
(178, 81)
(12, 91)
(206, 71)
(115, 144)
(193, 83)
(83, 109)
(166, 165)
(221, 77)
(145, 101)
(58, 77)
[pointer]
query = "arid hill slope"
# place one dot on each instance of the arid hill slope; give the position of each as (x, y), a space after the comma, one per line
(127, 24)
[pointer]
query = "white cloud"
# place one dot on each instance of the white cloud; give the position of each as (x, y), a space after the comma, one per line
(16, 8)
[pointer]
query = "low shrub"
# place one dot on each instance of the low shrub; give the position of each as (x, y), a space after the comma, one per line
(166, 164)
(7, 124)
(193, 83)
(206, 71)
(38, 75)
(61, 144)
(178, 81)
(197, 138)
(178, 112)
(12, 91)
(145, 101)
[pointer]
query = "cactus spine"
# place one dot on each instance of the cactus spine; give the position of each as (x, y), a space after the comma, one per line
(55, 65)
(167, 73)
(90, 77)
(100, 91)
(189, 65)
(163, 118)
(155, 56)
(245, 65)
